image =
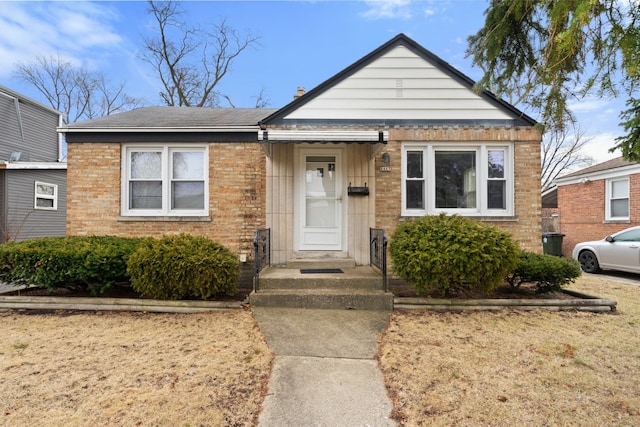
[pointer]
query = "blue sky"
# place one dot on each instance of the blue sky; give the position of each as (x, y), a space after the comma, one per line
(302, 43)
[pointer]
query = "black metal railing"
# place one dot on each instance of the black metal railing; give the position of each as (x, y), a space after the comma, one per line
(262, 246)
(378, 253)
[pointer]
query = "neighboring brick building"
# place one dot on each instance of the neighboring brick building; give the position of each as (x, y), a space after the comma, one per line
(397, 135)
(597, 201)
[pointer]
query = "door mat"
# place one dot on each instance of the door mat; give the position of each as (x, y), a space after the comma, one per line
(320, 270)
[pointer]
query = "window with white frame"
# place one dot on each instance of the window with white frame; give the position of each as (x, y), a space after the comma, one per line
(618, 199)
(467, 179)
(164, 181)
(45, 196)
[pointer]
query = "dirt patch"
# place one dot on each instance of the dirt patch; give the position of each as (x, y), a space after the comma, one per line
(134, 369)
(517, 368)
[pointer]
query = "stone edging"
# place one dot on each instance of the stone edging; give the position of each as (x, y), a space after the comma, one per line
(581, 302)
(115, 304)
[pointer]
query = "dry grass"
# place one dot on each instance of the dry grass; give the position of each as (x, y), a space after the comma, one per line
(117, 369)
(517, 368)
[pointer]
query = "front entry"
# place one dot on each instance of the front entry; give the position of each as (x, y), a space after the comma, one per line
(319, 203)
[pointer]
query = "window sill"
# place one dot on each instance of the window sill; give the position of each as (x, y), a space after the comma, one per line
(484, 218)
(616, 221)
(164, 218)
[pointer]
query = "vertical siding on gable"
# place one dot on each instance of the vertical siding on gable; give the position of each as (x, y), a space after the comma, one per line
(23, 221)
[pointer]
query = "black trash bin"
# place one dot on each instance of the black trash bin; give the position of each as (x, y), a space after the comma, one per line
(552, 243)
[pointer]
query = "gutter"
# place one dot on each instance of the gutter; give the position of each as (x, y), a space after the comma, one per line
(214, 129)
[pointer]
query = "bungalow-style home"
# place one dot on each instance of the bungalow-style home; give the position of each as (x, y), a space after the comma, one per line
(397, 135)
(597, 201)
(32, 169)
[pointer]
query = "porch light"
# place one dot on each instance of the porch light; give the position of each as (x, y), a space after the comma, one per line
(386, 159)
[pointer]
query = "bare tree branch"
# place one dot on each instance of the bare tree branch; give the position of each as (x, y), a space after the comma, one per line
(190, 62)
(562, 152)
(74, 91)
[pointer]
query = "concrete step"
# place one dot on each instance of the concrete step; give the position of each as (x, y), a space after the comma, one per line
(361, 277)
(351, 299)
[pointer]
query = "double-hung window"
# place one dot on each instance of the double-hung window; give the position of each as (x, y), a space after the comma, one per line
(467, 179)
(617, 199)
(46, 196)
(165, 181)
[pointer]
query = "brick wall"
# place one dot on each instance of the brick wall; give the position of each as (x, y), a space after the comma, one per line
(582, 212)
(526, 224)
(236, 196)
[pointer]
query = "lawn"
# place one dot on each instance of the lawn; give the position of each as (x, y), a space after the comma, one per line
(131, 369)
(442, 369)
(513, 368)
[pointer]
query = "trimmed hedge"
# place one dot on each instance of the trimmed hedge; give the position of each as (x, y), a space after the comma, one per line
(548, 273)
(180, 266)
(452, 252)
(92, 263)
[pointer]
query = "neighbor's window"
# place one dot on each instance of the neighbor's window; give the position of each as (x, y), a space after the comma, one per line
(618, 199)
(46, 196)
(468, 179)
(165, 180)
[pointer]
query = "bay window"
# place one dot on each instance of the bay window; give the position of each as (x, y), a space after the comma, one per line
(164, 180)
(467, 179)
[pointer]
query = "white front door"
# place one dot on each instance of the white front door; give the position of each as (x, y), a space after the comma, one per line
(320, 207)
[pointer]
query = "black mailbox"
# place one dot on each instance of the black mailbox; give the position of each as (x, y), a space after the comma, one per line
(358, 191)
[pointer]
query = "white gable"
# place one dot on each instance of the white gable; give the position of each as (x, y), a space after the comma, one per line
(399, 85)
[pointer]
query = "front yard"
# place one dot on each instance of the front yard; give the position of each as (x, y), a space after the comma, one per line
(517, 368)
(465, 369)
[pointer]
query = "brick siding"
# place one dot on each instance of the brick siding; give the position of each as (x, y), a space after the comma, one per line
(236, 196)
(582, 212)
(526, 226)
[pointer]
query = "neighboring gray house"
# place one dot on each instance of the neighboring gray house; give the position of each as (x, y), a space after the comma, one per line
(33, 170)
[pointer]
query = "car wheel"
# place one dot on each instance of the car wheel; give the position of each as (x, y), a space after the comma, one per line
(589, 262)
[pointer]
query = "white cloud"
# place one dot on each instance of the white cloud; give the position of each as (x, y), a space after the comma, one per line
(388, 9)
(598, 147)
(77, 31)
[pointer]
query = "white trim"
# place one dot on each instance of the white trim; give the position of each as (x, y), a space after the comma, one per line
(33, 165)
(481, 149)
(337, 235)
(608, 198)
(321, 135)
(37, 196)
(171, 129)
(594, 176)
(165, 177)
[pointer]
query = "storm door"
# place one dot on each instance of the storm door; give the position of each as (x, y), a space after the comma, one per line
(320, 207)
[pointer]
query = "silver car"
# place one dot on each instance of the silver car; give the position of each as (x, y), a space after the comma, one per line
(620, 251)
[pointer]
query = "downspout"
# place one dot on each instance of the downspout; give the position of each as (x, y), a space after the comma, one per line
(61, 140)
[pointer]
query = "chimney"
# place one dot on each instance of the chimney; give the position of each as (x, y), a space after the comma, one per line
(299, 93)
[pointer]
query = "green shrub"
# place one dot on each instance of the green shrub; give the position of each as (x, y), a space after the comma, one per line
(448, 252)
(179, 266)
(547, 272)
(72, 262)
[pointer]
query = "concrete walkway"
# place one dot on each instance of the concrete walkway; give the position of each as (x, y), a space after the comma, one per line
(325, 372)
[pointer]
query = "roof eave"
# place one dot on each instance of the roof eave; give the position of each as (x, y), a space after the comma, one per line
(210, 129)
